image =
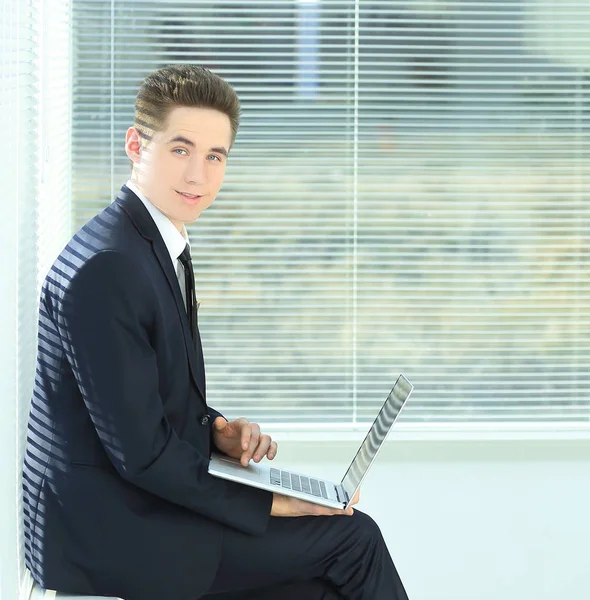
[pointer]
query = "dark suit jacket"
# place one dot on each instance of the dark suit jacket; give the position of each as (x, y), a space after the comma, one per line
(117, 496)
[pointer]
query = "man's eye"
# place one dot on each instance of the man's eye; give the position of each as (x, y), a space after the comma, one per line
(179, 150)
(214, 157)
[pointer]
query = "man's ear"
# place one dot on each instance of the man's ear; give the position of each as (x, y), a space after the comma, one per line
(133, 146)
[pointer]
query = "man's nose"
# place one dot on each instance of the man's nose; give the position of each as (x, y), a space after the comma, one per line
(196, 172)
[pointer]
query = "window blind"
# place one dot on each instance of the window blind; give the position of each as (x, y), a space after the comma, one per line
(408, 193)
(54, 206)
(18, 173)
(35, 170)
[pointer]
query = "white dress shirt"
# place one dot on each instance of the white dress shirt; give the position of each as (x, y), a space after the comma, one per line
(174, 240)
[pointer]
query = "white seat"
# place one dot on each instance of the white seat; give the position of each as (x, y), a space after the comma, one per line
(41, 594)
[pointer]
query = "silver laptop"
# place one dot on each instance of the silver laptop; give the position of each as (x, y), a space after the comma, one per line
(311, 489)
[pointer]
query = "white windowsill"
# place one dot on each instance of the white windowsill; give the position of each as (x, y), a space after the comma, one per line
(452, 432)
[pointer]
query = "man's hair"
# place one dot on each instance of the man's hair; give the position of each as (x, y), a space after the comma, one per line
(190, 86)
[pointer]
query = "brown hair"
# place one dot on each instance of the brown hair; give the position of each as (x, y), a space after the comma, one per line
(183, 85)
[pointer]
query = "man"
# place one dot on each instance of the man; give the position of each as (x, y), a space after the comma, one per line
(117, 497)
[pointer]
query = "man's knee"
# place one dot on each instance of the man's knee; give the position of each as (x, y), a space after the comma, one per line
(366, 529)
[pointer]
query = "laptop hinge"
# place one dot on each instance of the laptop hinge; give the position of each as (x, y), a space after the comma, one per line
(342, 494)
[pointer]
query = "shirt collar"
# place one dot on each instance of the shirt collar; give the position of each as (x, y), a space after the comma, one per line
(174, 240)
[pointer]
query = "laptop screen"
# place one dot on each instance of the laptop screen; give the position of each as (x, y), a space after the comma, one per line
(377, 434)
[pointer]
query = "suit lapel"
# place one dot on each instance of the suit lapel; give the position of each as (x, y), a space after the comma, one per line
(138, 213)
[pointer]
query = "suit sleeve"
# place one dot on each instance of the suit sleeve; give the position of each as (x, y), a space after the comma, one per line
(105, 317)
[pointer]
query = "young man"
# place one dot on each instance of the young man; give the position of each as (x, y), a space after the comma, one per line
(117, 497)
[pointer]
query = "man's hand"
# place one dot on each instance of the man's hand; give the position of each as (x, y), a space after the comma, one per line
(242, 439)
(287, 506)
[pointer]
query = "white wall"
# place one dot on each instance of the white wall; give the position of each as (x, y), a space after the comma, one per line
(17, 81)
(492, 520)
(8, 394)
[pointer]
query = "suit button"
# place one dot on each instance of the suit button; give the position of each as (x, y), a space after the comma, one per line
(205, 420)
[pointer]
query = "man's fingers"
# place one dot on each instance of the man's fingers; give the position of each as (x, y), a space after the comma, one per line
(264, 444)
(246, 432)
(323, 511)
(287, 506)
(252, 444)
(254, 439)
(348, 512)
(272, 451)
(330, 512)
(219, 423)
(250, 435)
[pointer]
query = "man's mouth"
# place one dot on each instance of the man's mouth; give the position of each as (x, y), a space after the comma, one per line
(189, 196)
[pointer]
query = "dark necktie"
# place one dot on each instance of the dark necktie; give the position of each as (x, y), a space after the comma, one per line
(189, 283)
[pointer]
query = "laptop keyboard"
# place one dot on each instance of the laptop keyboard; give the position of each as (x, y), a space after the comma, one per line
(290, 481)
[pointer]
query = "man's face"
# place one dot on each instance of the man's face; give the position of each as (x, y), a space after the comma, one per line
(181, 170)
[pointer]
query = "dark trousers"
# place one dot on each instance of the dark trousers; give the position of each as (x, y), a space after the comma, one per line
(310, 558)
